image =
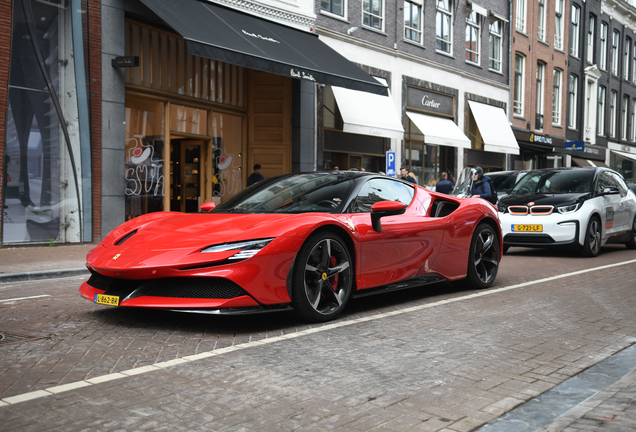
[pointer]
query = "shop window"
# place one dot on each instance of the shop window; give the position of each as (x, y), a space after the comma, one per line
(145, 163)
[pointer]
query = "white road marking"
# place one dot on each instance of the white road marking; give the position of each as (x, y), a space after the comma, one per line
(24, 298)
(334, 325)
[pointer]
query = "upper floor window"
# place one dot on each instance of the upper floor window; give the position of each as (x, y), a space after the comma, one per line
(602, 53)
(495, 40)
(558, 25)
(632, 129)
(540, 92)
(616, 37)
(624, 117)
(336, 7)
(521, 16)
(626, 53)
(473, 36)
(572, 100)
(557, 77)
(444, 26)
(373, 14)
(520, 65)
(574, 38)
(591, 28)
(541, 29)
(413, 21)
(612, 128)
(600, 111)
(634, 65)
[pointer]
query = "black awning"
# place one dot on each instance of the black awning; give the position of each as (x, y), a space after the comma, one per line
(218, 33)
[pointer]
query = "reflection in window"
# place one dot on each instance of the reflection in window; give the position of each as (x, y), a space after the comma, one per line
(495, 45)
(473, 34)
(413, 21)
(377, 190)
(335, 7)
(443, 26)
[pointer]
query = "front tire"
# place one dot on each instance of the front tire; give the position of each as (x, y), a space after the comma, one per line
(483, 262)
(323, 278)
(592, 241)
(631, 244)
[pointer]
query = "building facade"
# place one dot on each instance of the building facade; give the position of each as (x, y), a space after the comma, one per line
(447, 67)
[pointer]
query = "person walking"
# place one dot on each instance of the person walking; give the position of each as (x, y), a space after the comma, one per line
(444, 185)
(256, 176)
(432, 184)
(405, 175)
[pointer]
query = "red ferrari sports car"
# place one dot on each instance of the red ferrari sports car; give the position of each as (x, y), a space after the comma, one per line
(307, 242)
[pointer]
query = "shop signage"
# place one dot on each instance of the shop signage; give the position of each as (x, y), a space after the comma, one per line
(540, 139)
(302, 75)
(575, 145)
(258, 36)
(430, 101)
(593, 152)
(125, 61)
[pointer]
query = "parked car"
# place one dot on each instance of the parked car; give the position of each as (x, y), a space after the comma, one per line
(584, 208)
(302, 242)
(505, 180)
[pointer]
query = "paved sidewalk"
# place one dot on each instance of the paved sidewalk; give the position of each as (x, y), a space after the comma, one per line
(28, 263)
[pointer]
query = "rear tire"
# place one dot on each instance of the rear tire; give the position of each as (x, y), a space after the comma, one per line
(483, 262)
(592, 241)
(323, 278)
(631, 244)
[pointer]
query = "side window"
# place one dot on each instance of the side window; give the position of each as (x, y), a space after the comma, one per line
(620, 184)
(376, 190)
(604, 181)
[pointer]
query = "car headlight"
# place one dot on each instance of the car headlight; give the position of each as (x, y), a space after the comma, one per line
(568, 209)
(501, 208)
(246, 249)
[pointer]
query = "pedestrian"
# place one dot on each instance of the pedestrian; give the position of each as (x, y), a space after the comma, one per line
(431, 184)
(481, 185)
(335, 168)
(405, 175)
(256, 176)
(444, 185)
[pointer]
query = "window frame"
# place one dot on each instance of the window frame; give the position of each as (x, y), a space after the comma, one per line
(521, 18)
(603, 47)
(541, 29)
(632, 126)
(591, 30)
(369, 14)
(474, 27)
(624, 117)
(496, 44)
(331, 12)
(575, 20)
(557, 97)
(573, 83)
(616, 37)
(600, 110)
(627, 47)
(559, 24)
(408, 27)
(613, 101)
(448, 14)
(519, 81)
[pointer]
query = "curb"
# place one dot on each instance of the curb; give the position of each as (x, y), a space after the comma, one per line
(43, 274)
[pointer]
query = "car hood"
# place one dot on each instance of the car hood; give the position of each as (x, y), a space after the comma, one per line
(544, 199)
(173, 230)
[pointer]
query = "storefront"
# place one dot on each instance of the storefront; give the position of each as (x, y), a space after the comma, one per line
(47, 185)
(623, 159)
(585, 155)
(538, 151)
(432, 140)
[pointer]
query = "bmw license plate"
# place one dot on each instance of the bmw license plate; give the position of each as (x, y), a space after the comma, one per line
(528, 228)
(107, 299)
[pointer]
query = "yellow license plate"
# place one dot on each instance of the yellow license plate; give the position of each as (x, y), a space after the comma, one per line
(107, 299)
(528, 228)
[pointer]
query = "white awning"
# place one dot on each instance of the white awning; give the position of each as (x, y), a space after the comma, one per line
(479, 9)
(494, 128)
(438, 130)
(366, 113)
(625, 155)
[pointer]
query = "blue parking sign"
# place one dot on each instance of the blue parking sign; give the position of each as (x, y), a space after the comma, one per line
(390, 164)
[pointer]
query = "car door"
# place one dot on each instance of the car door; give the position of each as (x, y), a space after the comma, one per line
(623, 216)
(609, 204)
(406, 241)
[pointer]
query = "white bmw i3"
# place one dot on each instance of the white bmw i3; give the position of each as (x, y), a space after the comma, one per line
(583, 208)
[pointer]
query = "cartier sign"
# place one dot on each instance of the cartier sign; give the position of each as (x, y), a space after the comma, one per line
(429, 101)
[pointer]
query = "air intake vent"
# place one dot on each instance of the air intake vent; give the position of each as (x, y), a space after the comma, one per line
(126, 237)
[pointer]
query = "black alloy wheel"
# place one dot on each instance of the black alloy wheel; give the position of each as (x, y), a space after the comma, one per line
(631, 244)
(323, 278)
(592, 241)
(483, 262)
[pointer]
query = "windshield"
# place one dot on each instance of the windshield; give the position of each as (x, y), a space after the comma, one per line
(464, 184)
(299, 193)
(555, 182)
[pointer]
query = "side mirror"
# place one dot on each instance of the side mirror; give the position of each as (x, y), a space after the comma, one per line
(207, 206)
(385, 208)
(611, 191)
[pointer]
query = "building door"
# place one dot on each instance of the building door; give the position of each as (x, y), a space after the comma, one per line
(188, 159)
